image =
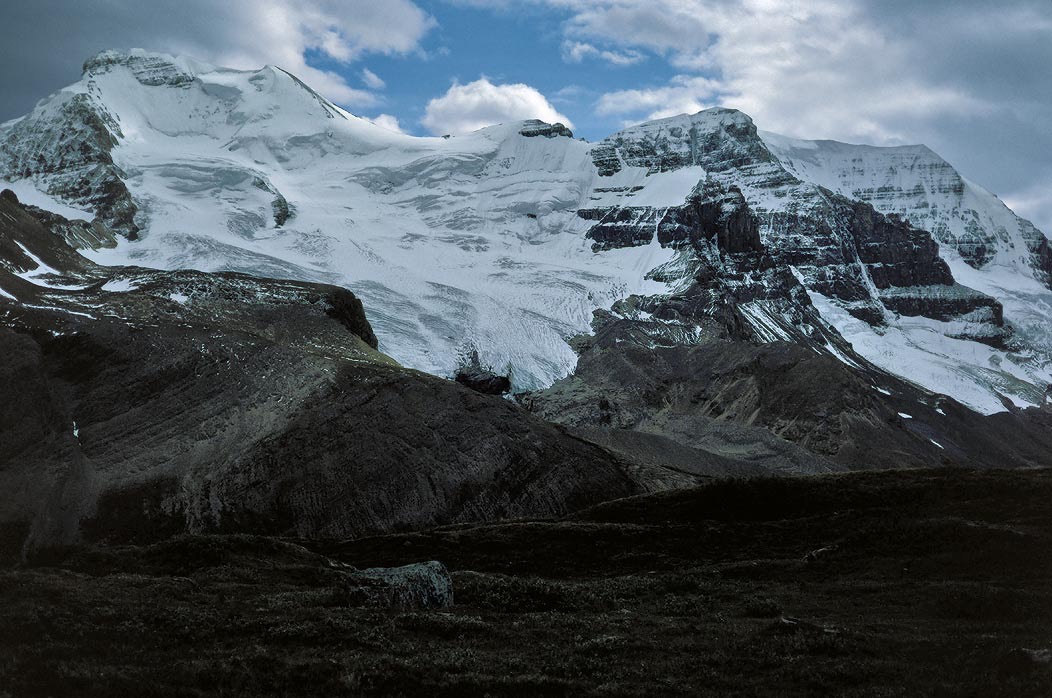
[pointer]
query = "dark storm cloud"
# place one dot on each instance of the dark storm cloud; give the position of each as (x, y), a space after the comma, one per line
(44, 43)
(1001, 54)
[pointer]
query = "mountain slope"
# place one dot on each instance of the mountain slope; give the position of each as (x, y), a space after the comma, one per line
(506, 240)
(986, 245)
(140, 404)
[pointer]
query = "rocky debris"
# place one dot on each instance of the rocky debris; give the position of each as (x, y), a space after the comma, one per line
(631, 378)
(533, 128)
(481, 379)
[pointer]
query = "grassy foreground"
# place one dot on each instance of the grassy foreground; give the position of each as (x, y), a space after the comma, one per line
(878, 584)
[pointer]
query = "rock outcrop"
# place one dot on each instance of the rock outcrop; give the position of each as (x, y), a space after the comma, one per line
(420, 586)
(535, 127)
(67, 146)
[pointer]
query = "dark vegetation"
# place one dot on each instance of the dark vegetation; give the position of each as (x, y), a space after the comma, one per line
(909, 583)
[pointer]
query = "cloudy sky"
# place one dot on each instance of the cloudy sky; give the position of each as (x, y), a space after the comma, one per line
(972, 79)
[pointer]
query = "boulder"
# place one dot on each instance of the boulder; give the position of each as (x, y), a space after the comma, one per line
(422, 586)
(482, 381)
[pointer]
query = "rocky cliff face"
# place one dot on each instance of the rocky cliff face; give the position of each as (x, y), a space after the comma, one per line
(66, 145)
(986, 245)
(844, 249)
(878, 268)
(915, 183)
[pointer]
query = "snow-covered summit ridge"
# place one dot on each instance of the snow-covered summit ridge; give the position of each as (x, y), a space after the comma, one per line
(149, 68)
(483, 240)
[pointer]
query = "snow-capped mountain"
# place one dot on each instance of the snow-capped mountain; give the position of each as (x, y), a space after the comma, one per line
(986, 245)
(508, 239)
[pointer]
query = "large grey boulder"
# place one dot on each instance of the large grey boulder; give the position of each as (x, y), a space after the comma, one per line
(421, 586)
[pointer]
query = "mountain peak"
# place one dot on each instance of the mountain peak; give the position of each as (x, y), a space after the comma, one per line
(713, 116)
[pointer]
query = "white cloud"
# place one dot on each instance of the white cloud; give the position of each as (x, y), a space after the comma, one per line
(683, 95)
(819, 67)
(466, 108)
(284, 31)
(578, 51)
(372, 80)
(1035, 204)
(389, 122)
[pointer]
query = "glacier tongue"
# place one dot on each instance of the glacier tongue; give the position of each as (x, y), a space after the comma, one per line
(487, 242)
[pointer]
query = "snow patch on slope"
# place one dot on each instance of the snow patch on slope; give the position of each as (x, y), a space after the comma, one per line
(28, 193)
(919, 350)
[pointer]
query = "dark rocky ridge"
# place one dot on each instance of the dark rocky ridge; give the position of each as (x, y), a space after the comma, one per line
(731, 144)
(345, 307)
(1042, 250)
(636, 382)
(150, 70)
(142, 404)
(713, 213)
(483, 381)
(533, 128)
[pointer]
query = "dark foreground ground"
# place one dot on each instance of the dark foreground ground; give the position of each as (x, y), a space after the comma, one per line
(881, 584)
